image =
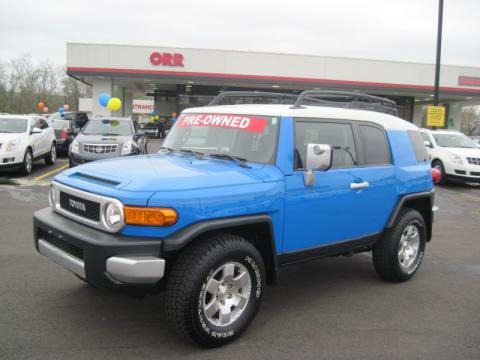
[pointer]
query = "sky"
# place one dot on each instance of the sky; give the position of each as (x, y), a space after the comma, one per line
(397, 30)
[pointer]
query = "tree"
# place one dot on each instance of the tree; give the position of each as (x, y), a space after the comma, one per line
(470, 120)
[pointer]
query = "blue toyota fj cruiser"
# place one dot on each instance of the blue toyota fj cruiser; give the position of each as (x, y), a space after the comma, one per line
(239, 191)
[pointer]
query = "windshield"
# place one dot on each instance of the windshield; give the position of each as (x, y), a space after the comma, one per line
(253, 138)
(108, 127)
(9, 125)
(454, 140)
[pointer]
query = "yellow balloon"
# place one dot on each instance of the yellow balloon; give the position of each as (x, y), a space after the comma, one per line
(114, 104)
(157, 117)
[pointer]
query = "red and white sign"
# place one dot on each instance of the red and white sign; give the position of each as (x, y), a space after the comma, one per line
(239, 122)
(166, 59)
(143, 106)
(469, 81)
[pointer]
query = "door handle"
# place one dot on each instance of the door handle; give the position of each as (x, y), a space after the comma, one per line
(358, 186)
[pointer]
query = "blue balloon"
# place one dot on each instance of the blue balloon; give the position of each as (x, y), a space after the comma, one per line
(61, 110)
(103, 99)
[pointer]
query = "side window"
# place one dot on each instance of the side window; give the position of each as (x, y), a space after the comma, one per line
(418, 145)
(338, 135)
(41, 124)
(425, 136)
(374, 145)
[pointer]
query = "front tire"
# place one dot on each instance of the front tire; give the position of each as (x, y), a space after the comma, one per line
(214, 289)
(399, 253)
(52, 155)
(27, 162)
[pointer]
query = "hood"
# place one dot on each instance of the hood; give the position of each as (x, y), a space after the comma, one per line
(6, 137)
(169, 172)
(102, 139)
(464, 152)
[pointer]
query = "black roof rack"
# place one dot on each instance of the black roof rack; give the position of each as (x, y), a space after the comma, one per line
(342, 99)
(226, 94)
(349, 100)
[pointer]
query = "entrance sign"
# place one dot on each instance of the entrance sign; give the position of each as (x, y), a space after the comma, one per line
(143, 106)
(436, 116)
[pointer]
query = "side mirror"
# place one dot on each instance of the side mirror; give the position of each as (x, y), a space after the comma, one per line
(428, 144)
(36, 130)
(319, 157)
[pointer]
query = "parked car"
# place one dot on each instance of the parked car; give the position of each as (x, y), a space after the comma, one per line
(23, 139)
(107, 137)
(454, 154)
(238, 192)
(155, 129)
(67, 125)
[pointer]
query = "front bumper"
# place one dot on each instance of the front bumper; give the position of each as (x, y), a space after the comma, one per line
(102, 259)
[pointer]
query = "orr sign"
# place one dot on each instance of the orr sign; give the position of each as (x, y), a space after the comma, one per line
(166, 59)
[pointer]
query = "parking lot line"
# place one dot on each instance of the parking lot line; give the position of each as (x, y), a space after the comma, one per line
(51, 172)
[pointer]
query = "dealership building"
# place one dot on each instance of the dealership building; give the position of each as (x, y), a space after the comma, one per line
(178, 78)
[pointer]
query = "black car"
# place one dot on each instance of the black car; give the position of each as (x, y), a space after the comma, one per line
(107, 137)
(155, 129)
(66, 126)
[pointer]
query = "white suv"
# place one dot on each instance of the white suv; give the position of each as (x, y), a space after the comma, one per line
(454, 154)
(24, 138)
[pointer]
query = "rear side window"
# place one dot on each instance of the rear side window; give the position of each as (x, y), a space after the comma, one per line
(374, 145)
(418, 145)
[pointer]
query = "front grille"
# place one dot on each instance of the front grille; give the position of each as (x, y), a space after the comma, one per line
(474, 161)
(473, 173)
(73, 250)
(78, 206)
(100, 148)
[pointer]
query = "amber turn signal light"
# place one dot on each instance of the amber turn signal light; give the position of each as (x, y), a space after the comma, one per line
(150, 216)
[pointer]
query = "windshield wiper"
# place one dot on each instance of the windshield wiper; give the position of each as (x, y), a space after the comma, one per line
(198, 154)
(240, 161)
(168, 149)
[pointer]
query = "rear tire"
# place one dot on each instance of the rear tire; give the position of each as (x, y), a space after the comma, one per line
(52, 155)
(439, 165)
(214, 289)
(399, 253)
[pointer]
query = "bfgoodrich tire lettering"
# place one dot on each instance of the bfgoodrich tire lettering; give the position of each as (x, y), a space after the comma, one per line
(398, 255)
(201, 264)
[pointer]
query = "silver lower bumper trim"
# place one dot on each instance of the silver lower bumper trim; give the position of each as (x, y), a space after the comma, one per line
(136, 270)
(62, 258)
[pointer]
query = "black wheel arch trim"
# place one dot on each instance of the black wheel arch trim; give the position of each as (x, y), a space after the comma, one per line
(183, 237)
(430, 195)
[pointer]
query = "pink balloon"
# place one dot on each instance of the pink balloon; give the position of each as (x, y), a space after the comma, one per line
(45, 109)
(66, 107)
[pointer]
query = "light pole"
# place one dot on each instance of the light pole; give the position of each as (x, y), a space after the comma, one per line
(439, 52)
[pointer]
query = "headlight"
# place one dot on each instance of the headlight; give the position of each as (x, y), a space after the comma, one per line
(113, 216)
(12, 145)
(51, 196)
(455, 158)
(127, 147)
(75, 146)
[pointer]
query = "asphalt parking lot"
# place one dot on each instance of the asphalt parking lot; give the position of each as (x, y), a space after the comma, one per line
(335, 308)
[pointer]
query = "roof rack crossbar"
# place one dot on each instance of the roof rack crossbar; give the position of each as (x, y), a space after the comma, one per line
(218, 99)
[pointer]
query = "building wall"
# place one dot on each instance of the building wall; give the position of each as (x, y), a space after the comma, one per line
(266, 65)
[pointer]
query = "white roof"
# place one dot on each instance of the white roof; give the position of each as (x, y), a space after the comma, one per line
(388, 122)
